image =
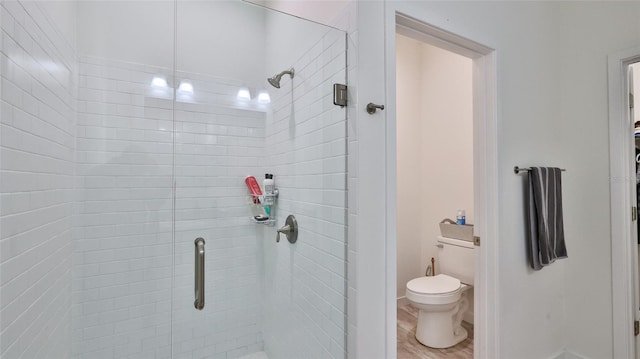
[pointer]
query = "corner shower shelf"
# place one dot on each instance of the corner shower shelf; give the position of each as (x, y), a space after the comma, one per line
(266, 199)
(269, 198)
(268, 222)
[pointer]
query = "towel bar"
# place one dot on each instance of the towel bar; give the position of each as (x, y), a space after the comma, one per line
(517, 169)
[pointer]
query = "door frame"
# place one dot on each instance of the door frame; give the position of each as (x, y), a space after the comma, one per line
(622, 178)
(485, 135)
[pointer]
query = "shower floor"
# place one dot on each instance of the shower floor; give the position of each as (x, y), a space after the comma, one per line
(256, 355)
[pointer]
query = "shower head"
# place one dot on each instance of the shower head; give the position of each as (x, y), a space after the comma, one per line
(275, 80)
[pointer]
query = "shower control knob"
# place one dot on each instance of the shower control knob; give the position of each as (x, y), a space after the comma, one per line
(290, 229)
(371, 108)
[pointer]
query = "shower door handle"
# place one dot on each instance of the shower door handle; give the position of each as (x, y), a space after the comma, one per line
(199, 274)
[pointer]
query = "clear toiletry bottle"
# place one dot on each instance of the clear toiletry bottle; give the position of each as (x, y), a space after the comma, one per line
(269, 189)
(461, 217)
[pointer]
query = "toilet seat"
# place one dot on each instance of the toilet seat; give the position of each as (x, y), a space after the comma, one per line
(439, 284)
(439, 289)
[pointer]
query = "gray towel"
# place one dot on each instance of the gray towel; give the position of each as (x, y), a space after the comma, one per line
(545, 224)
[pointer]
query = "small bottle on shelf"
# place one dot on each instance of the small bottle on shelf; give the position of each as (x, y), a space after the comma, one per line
(269, 189)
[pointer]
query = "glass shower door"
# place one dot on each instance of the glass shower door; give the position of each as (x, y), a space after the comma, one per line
(123, 209)
(261, 297)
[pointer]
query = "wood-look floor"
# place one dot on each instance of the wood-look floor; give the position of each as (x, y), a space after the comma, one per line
(410, 348)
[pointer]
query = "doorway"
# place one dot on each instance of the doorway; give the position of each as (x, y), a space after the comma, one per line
(623, 182)
(484, 160)
(434, 109)
(633, 86)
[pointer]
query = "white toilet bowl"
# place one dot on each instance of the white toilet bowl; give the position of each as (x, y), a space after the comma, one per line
(442, 304)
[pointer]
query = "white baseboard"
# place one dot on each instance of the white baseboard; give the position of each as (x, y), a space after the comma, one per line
(402, 301)
(564, 354)
(571, 355)
(468, 317)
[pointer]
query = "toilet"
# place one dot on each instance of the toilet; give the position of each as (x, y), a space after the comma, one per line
(442, 299)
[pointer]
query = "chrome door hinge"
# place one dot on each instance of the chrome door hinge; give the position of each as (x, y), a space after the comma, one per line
(476, 241)
(636, 328)
(634, 213)
(340, 95)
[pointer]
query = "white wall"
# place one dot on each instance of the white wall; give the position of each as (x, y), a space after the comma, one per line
(368, 197)
(39, 76)
(435, 150)
(323, 11)
(208, 33)
(65, 15)
(447, 142)
(287, 39)
(586, 157)
(211, 33)
(552, 108)
(135, 31)
(410, 185)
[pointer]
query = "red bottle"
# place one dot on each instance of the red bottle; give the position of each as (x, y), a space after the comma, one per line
(254, 188)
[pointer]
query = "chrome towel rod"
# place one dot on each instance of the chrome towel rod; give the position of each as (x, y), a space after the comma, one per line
(517, 169)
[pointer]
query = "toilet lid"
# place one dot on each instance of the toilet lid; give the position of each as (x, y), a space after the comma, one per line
(440, 284)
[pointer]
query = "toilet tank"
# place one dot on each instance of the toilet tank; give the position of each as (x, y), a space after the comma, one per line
(456, 258)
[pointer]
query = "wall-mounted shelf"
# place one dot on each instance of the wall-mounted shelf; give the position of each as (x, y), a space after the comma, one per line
(267, 222)
(262, 204)
(266, 198)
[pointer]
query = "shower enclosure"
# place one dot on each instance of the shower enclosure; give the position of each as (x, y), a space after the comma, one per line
(128, 136)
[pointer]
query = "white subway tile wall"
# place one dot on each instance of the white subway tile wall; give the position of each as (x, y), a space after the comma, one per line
(89, 154)
(123, 252)
(217, 146)
(122, 257)
(39, 76)
(305, 297)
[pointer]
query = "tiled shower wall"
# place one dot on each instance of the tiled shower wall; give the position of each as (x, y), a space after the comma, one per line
(123, 248)
(123, 215)
(36, 182)
(218, 143)
(305, 310)
(121, 165)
